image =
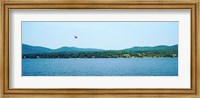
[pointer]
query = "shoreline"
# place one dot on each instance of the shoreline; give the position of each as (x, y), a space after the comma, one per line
(102, 58)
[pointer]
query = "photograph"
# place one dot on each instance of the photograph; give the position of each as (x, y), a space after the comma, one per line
(99, 48)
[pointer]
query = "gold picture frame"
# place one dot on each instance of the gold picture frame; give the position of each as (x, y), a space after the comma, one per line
(193, 5)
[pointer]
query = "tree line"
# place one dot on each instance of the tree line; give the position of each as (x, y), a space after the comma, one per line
(107, 54)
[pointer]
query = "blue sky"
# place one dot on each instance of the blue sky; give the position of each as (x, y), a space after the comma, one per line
(101, 35)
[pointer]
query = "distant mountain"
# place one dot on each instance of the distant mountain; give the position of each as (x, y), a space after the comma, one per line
(27, 49)
(161, 47)
(74, 49)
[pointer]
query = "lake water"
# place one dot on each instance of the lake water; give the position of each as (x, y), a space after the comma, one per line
(100, 67)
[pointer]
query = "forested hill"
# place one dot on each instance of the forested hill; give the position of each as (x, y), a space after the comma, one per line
(28, 49)
(161, 47)
(74, 52)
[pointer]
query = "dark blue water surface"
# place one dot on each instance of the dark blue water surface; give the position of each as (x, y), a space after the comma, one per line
(100, 67)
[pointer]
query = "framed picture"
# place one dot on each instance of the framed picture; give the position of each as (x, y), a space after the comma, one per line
(100, 48)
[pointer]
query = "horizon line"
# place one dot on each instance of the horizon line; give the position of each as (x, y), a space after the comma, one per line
(97, 48)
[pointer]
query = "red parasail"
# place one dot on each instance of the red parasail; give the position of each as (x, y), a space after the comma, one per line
(75, 37)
